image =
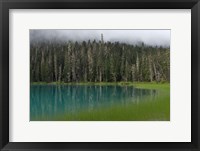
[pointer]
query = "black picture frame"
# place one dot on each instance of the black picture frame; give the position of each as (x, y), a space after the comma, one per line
(5, 5)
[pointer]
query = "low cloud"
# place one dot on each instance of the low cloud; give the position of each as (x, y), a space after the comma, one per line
(149, 37)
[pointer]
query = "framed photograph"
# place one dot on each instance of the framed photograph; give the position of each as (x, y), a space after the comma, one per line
(99, 75)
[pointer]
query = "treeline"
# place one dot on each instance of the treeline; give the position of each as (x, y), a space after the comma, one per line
(100, 61)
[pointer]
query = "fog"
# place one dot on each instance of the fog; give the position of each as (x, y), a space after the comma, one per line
(149, 37)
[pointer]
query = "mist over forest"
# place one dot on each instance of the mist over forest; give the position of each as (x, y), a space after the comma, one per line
(99, 55)
(149, 37)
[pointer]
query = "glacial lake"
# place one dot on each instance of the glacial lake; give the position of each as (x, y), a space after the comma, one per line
(48, 101)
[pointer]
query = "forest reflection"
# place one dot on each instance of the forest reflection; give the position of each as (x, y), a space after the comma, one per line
(51, 100)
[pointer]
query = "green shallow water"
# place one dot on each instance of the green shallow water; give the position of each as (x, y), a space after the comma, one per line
(78, 102)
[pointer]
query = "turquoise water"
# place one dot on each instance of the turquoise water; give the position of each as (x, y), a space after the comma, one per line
(50, 100)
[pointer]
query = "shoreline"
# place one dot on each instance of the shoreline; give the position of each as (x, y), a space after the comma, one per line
(146, 85)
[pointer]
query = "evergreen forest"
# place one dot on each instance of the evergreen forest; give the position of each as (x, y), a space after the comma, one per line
(98, 61)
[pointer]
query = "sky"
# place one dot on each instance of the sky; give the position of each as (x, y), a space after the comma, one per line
(149, 37)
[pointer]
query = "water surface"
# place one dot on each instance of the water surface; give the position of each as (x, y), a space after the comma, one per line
(47, 101)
